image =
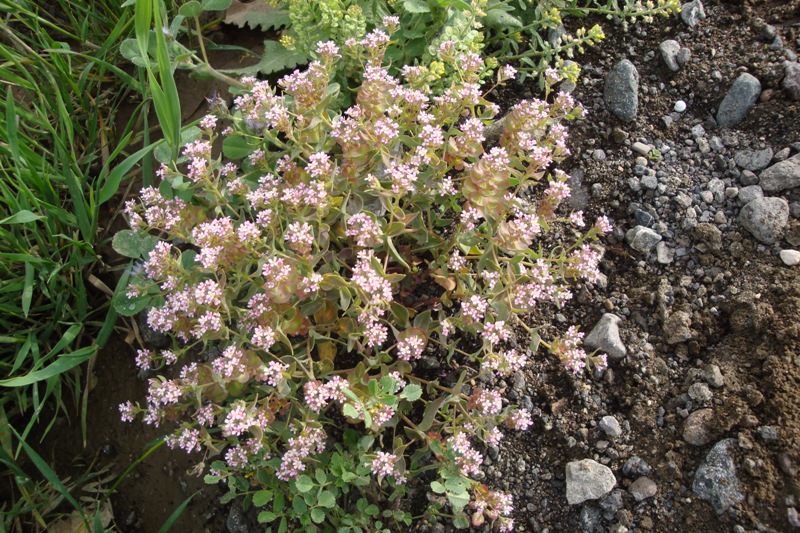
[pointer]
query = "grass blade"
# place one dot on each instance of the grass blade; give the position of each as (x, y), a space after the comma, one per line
(176, 514)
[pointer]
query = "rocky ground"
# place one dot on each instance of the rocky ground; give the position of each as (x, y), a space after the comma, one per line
(691, 146)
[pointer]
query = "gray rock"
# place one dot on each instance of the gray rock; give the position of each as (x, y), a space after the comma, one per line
(738, 100)
(605, 337)
(664, 254)
(748, 178)
(781, 176)
(713, 376)
(554, 34)
(692, 13)
(635, 465)
(750, 193)
(700, 392)
(610, 426)
(598, 155)
(765, 218)
(677, 328)
(684, 55)
(753, 159)
(237, 521)
(793, 517)
(697, 429)
(621, 93)
(768, 433)
(642, 239)
(790, 257)
(643, 488)
(715, 479)
(588, 480)
(791, 79)
(669, 53)
(591, 519)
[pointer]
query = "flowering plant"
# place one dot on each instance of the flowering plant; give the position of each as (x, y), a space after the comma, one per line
(342, 301)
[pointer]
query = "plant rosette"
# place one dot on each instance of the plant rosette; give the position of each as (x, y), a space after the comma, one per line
(310, 275)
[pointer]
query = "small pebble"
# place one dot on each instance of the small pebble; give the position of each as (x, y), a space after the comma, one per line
(680, 106)
(790, 257)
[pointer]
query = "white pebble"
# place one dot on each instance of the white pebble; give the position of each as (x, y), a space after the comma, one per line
(680, 106)
(790, 257)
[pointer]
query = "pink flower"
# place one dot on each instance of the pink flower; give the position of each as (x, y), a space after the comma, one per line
(410, 348)
(127, 411)
(519, 419)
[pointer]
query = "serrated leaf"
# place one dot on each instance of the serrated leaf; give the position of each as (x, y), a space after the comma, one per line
(461, 522)
(133, 244)
(276, 58)
(412, 392)
(265, 517)
(304, 483)
(350, 411)
(257, 15)
(317, 515)
(437, 487)
(326, 499)
(262, 497)
(458, 501)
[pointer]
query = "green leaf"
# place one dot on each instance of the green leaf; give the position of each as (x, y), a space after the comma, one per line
(437, 487)
(412, 392)
(22, 217)
(276, 58)
(416, 6)
(430, 413)
(238, 147)
(216, 5)
(262, 497)
(317, 515)
(265, 517)
(326, 499)
(176, 514)
(190, 9)
(501, 20)
(320, 476)
(458, 501)
(372, 510)
(350, 411)
(461, 522)
(59, 366)
(133, 244)
(299, 506)
(304, 483)
(130, 306)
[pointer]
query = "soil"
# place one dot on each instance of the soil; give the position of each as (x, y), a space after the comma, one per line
(743, 305)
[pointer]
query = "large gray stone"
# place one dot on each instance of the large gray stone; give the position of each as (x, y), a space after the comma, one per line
(698, 429)
(765, 218)
(753, 159)
(781, 176)
(588, 480)
(605, 337)
(715, 480)
(669, 53)
(791, 79)
(621, 93)
(692, 13)
(642, 239)
(738, 100)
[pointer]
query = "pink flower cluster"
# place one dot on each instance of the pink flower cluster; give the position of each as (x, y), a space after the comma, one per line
(365, 230)
(310, 440)
(489, 402)
(385, 464)
(468, 459)
(410, 348)
(318, 394)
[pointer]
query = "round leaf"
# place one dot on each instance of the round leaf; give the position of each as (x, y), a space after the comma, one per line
(304, 483)
(191, 9)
